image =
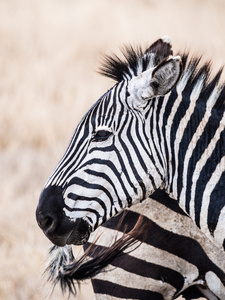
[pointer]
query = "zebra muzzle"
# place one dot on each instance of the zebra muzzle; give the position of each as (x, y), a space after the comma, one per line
(57, 227)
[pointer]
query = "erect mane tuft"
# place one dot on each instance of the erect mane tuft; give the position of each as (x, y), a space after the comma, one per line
(135, 60)
(196, 71)
(118, 68)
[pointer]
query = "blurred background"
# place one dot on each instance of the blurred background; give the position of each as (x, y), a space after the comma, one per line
(50, 51)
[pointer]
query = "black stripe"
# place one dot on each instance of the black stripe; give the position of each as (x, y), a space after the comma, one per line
(162, 197)
(178, 245)
(81, 198)
(114, 170)
(216, 206)
(158, 107)
(106, 177)
(146, 269)
(83, 209)
(116, 290)
(94, 186)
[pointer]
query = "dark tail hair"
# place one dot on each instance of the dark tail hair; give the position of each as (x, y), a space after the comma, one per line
(64, 269)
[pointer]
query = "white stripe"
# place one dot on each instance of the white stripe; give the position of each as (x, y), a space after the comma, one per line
(106, 297)
(161, 119)
(219, 231)
(168, 132)
(215, 285)
(160, 167)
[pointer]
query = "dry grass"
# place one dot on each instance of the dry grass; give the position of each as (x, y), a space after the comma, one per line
(49, 51)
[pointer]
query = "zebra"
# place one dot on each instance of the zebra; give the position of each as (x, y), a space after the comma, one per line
(161, 126)
(163, 257)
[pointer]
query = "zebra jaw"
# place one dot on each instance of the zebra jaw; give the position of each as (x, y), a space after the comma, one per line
(78, 237)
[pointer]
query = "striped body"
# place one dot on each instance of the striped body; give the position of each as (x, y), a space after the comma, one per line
(174, 256)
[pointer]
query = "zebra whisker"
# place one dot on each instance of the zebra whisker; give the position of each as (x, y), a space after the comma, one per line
(63, 268)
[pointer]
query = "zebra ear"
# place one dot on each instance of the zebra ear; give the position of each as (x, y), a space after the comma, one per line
(155, 82)
(165, 76)
(160, 50)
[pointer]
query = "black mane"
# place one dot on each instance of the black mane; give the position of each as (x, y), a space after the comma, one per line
(134, 61)
(117, 68)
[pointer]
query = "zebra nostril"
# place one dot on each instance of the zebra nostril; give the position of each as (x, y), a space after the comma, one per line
(46, 223)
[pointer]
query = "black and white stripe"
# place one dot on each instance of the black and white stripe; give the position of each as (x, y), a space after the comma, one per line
(174, 257)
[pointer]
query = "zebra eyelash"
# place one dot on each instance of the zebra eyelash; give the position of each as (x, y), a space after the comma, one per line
(101, 135)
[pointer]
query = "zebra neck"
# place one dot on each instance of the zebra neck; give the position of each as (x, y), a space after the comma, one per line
(194, 149)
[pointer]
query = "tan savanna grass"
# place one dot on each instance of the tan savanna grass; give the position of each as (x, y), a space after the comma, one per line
(49, 52)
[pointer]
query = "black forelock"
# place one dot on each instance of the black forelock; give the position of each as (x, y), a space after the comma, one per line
(202, 71)
(117, 68)
(134, 60)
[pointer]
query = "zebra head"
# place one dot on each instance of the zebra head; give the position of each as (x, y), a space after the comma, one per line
(109, 163)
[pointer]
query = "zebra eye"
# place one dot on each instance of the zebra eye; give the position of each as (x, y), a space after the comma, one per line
(101, 135)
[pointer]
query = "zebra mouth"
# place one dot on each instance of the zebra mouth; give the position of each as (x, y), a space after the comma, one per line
(80, 234)
(75, 239)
